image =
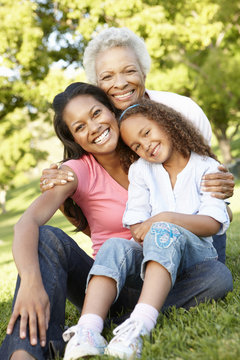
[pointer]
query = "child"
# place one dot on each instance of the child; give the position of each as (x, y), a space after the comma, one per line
(171, 221)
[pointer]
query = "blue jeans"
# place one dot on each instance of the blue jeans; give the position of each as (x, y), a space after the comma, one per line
(219, 242)
(172, 246)
(65, 267)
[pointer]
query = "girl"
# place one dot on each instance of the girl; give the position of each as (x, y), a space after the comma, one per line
(170, 219)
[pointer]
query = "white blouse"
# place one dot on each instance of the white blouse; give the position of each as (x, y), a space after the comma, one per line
(150, 192)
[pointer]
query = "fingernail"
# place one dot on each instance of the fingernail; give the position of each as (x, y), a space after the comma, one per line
(70, 178)
(8, 331)
(23, 335)
(70, 173)
(50, 184)
(63, 181)
(42, 343)
(203, 188)
(34, 341)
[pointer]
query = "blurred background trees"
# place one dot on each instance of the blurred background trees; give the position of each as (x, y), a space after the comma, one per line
(194, 46)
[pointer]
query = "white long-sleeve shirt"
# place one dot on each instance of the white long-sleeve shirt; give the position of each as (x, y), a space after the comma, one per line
(150, 192)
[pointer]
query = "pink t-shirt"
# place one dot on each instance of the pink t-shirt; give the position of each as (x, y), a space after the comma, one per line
(101, 199)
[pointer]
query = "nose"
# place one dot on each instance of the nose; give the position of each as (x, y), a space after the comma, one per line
(94, 127)
(146, 145)
(120, 81)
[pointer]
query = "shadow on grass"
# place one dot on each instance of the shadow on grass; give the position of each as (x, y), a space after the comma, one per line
(6, 262)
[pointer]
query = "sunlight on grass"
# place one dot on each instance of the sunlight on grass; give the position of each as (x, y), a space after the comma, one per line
(207, 332)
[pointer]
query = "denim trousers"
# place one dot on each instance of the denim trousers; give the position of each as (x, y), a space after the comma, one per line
(65, 267)
(171, 246)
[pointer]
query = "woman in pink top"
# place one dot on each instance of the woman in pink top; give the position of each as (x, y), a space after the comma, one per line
(51, 265)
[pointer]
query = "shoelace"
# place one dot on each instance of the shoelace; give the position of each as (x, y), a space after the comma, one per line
(128, 331)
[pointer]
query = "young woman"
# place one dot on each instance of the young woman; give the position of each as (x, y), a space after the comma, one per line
(51, 266)
(170, 219)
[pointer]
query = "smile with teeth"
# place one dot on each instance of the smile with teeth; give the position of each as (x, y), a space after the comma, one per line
(123, 96)
(155, 150)
(102, 137)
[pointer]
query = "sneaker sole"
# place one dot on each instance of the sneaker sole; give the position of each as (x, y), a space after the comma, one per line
(82, 352)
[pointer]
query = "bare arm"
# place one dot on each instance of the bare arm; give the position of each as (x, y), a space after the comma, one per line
(32, 302)
(59, 176)
(200, 225)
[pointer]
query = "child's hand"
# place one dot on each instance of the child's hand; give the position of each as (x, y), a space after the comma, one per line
(33, 306)
(139, 231)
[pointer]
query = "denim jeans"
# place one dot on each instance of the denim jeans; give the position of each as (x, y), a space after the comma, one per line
(65, 267)
(172, 246)
(219, 242)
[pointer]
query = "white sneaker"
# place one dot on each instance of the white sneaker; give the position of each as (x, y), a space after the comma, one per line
(83, 342)
(127, 342)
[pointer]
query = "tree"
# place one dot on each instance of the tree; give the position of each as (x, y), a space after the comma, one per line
(194, 46)
(28, 83)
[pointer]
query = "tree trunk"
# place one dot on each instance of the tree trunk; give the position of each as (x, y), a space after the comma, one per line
(225, 148)
(3, 200)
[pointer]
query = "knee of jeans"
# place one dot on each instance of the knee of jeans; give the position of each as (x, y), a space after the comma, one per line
(222, 284)
(113, 250)
(162, 235)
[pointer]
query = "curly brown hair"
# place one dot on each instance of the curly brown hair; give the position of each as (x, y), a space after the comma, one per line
(181, 131)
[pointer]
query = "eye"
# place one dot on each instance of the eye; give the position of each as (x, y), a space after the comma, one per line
(147, 132)
(106, 77)
(96, 112)
(79, 127)
(136, 147)
(130, 71)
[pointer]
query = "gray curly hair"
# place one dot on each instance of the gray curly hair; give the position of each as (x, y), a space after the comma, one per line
(113, 37)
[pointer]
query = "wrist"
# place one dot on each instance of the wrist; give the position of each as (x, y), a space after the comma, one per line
(31, 277)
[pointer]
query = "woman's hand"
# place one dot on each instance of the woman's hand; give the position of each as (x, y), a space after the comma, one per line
(220, 184)
(33, 306)
(54, 176)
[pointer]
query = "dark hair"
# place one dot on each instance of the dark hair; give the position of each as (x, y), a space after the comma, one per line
(181, 131)
(72, 150)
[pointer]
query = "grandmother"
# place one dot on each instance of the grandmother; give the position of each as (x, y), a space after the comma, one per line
(117, 60)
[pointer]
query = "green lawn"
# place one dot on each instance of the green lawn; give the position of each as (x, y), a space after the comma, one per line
(207, 332)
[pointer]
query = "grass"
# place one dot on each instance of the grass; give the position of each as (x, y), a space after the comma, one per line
(209, 331)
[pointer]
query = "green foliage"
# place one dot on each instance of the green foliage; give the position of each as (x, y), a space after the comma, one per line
(28, 83)
(194, 46)
(15, 149)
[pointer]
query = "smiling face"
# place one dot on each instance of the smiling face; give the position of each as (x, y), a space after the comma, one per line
(120, 76)
(93, 126)
(147, 139)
